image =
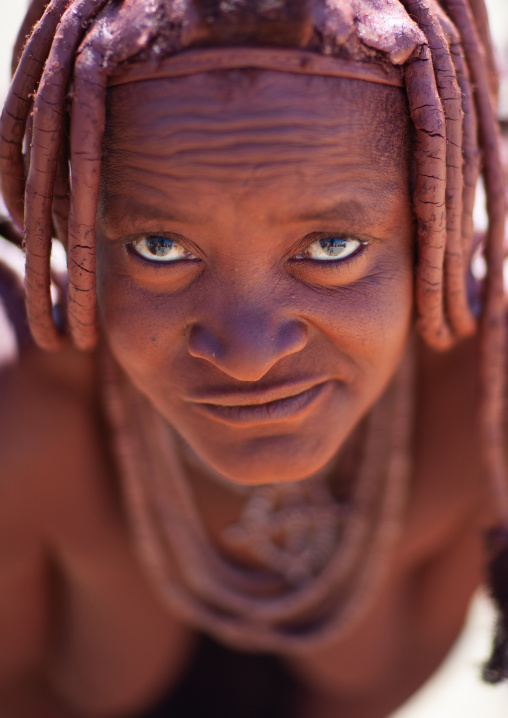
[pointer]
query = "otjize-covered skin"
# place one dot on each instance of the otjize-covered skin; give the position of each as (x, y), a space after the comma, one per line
(204, 172)
(255, 236)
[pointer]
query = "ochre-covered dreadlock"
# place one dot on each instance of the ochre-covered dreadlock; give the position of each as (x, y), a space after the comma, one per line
(445, 54)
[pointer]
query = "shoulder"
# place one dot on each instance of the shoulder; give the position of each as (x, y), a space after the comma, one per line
(46, 427)
(53, 447)
(44, 398)
(448, 487)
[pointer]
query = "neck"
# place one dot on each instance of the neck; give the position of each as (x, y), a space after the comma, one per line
(305, 595)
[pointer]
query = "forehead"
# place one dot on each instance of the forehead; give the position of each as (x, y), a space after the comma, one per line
(271, 103)
(239, 129)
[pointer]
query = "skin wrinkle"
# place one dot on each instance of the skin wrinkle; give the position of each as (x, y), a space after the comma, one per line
(171, 155)
(249, 175)
(195, 108)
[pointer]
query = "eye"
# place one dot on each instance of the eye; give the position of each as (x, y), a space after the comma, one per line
(330, 249)
(160, 249)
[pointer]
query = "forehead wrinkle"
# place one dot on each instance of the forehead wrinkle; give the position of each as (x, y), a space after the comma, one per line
(238, 176)
(199, 138)
(168, 147)
(179, 130)
(241, 159)
(172, 140)
(250, 156)
(241, 164)
(178, 112)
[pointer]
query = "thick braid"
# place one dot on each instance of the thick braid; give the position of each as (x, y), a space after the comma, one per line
(58, 36)
(34, 13)
(88, 119)
(429, 197)
(457, 308)
(87, 129)
(493, 321)
(470, 150)
(18, 106)
(47, 131)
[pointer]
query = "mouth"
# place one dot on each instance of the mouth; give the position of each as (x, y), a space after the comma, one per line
(267, 407)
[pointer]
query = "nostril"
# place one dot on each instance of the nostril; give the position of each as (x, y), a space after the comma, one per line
(247, 350)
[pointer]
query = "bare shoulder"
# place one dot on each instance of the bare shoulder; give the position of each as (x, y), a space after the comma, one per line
(45, 400)
(43, 397)
(46, 404)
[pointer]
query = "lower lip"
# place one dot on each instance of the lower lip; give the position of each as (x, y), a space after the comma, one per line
(293, 407)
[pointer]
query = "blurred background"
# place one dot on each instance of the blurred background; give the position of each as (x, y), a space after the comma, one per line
(11, 12)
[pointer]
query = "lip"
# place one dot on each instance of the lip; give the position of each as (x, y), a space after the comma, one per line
(269, 406)
(255, 394)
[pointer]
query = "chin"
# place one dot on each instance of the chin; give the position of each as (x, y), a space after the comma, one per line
(268, 460)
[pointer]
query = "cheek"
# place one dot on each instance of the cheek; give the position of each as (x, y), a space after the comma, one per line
(370, 319)
(143, 328)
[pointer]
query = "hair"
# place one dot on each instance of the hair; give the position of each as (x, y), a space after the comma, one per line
(55, 114)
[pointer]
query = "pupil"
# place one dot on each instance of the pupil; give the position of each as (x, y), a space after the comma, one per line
(159, 245)
(333, 246)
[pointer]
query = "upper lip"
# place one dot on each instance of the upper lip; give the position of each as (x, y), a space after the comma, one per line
(255, 396)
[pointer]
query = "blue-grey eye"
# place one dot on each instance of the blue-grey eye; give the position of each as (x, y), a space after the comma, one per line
(160, 249)
(331, 248)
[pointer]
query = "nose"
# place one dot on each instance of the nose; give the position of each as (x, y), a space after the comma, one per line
(246, 344)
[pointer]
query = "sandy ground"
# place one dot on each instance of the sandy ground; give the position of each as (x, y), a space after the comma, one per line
(11, 12)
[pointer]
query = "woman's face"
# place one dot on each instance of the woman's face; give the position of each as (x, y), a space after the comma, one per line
(255, 259)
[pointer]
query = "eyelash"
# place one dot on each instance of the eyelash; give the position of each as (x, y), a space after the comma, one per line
(129, 246)
(331, 265)
(342, 261)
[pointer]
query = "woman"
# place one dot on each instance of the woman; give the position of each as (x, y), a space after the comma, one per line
(263, 200)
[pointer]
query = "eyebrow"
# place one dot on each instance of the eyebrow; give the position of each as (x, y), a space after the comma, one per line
(140, 212)
(349, 211)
